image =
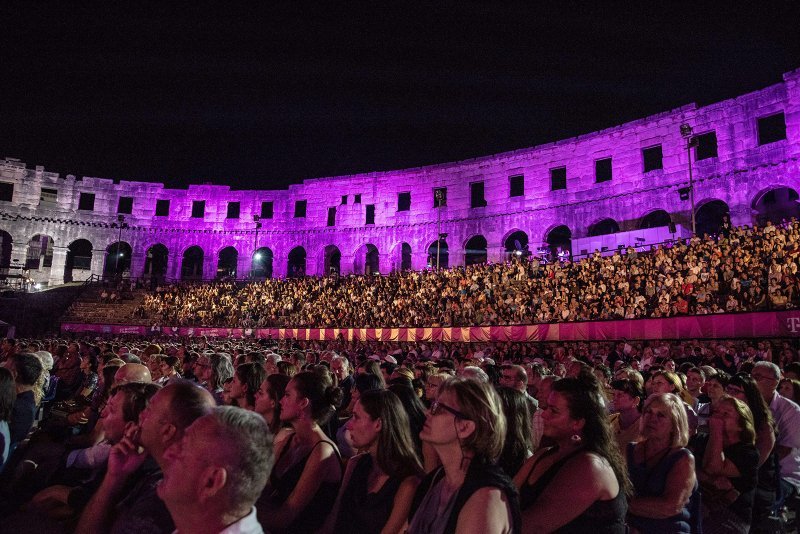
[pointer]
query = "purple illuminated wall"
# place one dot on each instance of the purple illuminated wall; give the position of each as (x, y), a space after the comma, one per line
(747, 174)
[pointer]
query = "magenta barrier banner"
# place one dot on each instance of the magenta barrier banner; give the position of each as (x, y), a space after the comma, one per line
(763, 324)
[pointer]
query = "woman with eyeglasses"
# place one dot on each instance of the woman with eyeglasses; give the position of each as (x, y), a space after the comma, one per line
(580, 483)
(469, 492)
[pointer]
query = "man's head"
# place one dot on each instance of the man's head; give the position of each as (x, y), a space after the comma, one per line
(513, 376)
(219, 468)
(340, 367)
(25, 369)
(132, 372)
(695, 380)
(767, 375)
(122, 411)
(170, 412)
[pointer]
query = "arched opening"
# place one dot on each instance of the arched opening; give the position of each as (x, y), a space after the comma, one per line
(708, 218)
(226, 263)
(559, 239)
(405, 257)
(332, 262)
(516, 244)
(262, 263)
(297, 263)
(155, 261)
(438, 255)
(5, 253)
(475, 251)
(118, 259)
(775, 205)
(604, 227)
(655, 219)
(40, 252)
(78, 265)
(192, 264)
(366, 260)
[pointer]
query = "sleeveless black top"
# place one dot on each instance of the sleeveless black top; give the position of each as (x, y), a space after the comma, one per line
(362, 512)
(605, 517)
(480, 474)
(311, 519)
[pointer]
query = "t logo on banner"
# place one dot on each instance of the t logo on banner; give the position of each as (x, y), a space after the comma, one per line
(793, 323)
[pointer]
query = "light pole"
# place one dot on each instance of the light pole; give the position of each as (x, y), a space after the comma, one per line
(117, 253)
(439, 198)
(256, 255)
(691, 142)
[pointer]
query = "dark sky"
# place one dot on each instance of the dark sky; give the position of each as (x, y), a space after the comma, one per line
(261, 98)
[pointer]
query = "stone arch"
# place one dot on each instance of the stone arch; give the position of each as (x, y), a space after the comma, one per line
(655, 219)
(79, 258)
(118, 259)
(331, 260)
(557, 237)
(775, 203)
(516, 243)
(366, 260)
(227, 261)
(261, 266)
(296, 262)
(401, 257)
(40, 252)
(709, 216)
(156, 259)
(442, 252)
(475, 250)
(603, 227)
(192, 263)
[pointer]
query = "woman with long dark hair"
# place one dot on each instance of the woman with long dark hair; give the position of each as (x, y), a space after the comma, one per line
(8, 393)
(268, 404)
(379, 484)
(517, 446)
(305, 479)
(580, 483)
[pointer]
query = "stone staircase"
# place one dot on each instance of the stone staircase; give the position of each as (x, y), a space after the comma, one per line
(89, 308)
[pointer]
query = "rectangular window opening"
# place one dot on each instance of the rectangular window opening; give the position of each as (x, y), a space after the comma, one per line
(403, 201)
(558, 178)
(439, 197)
(771, 129)
(198, 209)
(476, 196)
(370, 214)
(125, 205)
(706, 146)
(234, 209)
(653, 157)
(267, 210)
(48, 195)
(331, 216)
(516, 186)
(300, 209)
(86, 202)
(602, 170)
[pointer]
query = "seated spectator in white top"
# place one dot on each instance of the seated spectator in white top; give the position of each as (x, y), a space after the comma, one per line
(216, 473)
(787, 419)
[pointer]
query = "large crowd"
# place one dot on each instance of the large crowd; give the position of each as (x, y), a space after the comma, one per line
(741, 269)
(199, 435)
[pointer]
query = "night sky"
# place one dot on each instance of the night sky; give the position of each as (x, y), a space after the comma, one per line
(265, 98)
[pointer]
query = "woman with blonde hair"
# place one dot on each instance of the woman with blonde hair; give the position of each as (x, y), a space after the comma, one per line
(466, 427)
(662, 470)
(669, 382)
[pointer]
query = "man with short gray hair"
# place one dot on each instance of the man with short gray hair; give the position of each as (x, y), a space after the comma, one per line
(787, 420)
(217, 472)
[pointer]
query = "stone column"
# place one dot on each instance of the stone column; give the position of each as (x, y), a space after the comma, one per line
(98, 262)
(496, 254)
(741, 215)
(385, 264)
(138, 259)
(58, 266)
(209, 267)
(244, 265)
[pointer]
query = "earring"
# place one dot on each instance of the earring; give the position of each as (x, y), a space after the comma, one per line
(576, 439)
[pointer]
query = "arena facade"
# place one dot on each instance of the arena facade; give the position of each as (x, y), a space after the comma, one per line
(743, 154)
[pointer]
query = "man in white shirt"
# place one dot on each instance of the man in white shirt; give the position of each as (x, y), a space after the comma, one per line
(787, 419)
(217, 472)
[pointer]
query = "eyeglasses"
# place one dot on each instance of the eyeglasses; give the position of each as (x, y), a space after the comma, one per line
(762, 378)
(437, 406)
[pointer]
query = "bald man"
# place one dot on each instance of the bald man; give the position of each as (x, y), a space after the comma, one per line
(132, 372)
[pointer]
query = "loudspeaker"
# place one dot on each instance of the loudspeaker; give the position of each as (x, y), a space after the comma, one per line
(672, 228)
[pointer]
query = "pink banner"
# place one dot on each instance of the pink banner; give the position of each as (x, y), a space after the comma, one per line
(764, 324)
